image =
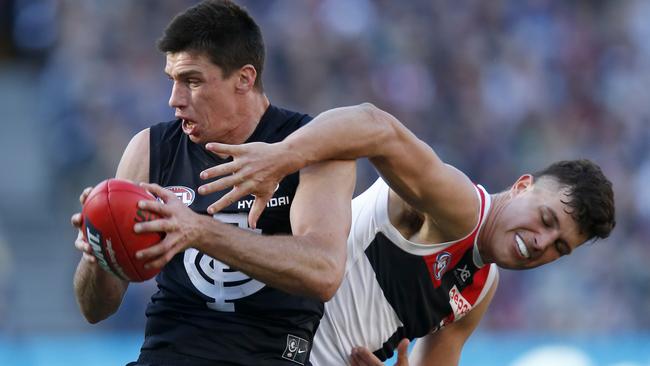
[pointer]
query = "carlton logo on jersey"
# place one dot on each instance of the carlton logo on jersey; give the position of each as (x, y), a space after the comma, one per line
(296, 349)
(215, 279)
(185, 194)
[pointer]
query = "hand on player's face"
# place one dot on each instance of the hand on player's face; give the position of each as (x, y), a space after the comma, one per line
(176, 220)
(77, 221)
(257, 168)
(361, 356)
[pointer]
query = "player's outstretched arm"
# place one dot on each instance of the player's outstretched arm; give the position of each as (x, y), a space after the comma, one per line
(411, 168)
(258, 167)
(99, 293)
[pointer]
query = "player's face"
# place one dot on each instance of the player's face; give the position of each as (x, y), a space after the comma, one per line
(534, 226)
(204, 101)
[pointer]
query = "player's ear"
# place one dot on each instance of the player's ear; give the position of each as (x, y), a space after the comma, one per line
(246, 78)
(524, 182)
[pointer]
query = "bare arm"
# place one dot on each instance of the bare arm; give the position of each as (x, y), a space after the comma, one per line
(310, 262)
(410, 166)
(444, 347)
(99, 293)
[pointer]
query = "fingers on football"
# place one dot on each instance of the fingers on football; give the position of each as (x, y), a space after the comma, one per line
(158, 191)
(82, 245)
(76, 220)
(154, 226)
(84, 194)
(219, 170)
(158, 255)
(85, 248)
(159, 208)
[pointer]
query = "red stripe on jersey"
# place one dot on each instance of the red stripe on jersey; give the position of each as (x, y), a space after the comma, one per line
(473, 291)
(439, 263)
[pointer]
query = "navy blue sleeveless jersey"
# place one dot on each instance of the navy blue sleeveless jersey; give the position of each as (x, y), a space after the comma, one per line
(206, 313)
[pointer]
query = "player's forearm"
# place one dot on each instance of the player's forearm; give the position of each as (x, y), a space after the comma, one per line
(98, 293)
(345, 133)
(295, 264)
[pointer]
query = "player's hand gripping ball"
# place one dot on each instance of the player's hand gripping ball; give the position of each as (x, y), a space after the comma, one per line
(109, 213)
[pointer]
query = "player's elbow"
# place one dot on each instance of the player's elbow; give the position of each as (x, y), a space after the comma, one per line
(374, 114)
(328, 287)
(386, 126)
(330, 277)
(94, 317)
(97, 308)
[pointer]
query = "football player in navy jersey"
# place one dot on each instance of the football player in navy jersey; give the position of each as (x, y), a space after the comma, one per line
(425, 241)
(226, 294)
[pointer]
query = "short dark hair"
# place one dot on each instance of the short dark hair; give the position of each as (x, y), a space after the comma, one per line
(220, 29)
(591, 197)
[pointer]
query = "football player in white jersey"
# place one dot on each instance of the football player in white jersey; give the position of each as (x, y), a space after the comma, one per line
(430, 204)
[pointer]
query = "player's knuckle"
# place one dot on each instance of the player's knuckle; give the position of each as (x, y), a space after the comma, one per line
(168, 247)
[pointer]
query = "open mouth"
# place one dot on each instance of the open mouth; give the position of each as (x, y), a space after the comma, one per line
(188, 126)
(521, 246)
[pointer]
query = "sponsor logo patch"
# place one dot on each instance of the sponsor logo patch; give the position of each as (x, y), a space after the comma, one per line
(462, 273)
(273, 202)
(458, 303)
(185, 194)
(296, 349)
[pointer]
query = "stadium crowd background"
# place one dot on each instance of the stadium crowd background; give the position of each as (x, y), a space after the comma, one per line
(497, 87)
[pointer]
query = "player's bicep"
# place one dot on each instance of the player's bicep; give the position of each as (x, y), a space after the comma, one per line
(322, 203)
(415, 172)
(134, 164)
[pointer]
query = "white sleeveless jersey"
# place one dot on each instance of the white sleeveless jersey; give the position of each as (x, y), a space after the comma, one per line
(394, 288)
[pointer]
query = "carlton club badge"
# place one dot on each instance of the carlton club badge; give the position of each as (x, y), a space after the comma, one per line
(296, 350)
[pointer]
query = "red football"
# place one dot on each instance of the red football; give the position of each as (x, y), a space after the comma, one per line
(109, 213)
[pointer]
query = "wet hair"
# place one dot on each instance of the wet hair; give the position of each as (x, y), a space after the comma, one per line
(591, 198)
(220, 29)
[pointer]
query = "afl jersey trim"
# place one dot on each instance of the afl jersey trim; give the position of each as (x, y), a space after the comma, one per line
(394, 288)
(205, 310)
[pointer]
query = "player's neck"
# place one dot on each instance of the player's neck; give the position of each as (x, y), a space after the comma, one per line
(250, 112)
(499, 201)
